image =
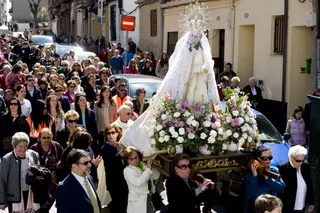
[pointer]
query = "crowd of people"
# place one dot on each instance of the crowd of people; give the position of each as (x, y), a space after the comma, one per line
(61, 121)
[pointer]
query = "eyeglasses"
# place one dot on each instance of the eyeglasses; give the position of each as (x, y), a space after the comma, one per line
(129, 113)
(134, 158)
(143, 92)
(46, 138)
(85, 163)
(72, 87)
(185, 166)
(266, 158)
(31, 80)
(14, 104)
(72, 121)
(111, 133)
(299, 161)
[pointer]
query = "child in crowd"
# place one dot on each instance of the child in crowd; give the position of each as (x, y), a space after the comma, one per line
(268, 204)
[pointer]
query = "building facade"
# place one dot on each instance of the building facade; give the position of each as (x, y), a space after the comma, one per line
(20, 10)
(250, 35)
(151, 27)
(3, 12)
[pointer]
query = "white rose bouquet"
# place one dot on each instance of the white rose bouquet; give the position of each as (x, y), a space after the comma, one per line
(240, 123)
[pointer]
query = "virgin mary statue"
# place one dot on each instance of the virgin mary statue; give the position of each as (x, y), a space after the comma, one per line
(190, 76)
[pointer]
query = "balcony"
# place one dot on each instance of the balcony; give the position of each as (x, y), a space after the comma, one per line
(174, 3)
(82, 4)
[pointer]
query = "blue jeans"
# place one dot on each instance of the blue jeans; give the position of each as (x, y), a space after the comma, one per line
(117, 71)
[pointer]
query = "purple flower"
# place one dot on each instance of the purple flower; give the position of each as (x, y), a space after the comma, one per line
(185, 104)
(166, 122)
(181, 123)
(234, 122)
(190, 130)
(213, 126)
(176, 123)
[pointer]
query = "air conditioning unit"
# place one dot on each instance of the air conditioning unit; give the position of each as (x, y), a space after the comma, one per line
(311, 19)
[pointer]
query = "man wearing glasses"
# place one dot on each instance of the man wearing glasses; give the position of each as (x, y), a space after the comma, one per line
(124, 120)
(33, 93)
(76, 193)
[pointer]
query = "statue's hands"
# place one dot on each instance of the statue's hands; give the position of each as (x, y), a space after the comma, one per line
(205, 71)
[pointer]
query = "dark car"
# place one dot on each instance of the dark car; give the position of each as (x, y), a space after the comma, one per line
(133, 81)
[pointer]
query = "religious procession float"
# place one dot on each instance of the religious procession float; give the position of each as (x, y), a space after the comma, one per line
(186, 114)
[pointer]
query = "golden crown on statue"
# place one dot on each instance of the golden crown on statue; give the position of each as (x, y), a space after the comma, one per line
(196, 18)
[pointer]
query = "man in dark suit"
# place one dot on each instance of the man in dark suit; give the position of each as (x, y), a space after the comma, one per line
(76, 193)
(33, 93)
(253, 91)
(296, 174)
(9, 56)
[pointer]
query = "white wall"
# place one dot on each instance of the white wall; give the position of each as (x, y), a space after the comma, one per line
(128, 6)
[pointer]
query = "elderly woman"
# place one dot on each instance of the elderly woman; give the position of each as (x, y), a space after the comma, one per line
(14, 168)
(298, 194)
(185, 195)
(257, 184)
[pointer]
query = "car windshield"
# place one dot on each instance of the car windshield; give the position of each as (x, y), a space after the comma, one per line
(38, 40)
(267, 132)
(63, 49)
(150, 88)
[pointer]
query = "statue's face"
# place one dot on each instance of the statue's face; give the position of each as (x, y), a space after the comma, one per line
(196, 40)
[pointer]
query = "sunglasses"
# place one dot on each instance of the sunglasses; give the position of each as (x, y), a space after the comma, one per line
(13, 104)
(46, 138)
(266, 158)
(135, 158)
(72, 87)
(31, 80)
(185, 166)
(299, 161)
(129, 113)
(85, 163)
(143, 92)
(72, 121)
(111, 133)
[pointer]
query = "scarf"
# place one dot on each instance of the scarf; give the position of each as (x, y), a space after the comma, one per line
(141, 167)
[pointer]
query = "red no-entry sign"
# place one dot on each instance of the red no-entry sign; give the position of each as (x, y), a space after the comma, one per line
(128, 23)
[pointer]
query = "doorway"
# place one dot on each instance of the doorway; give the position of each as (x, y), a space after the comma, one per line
(246, 53)
(172, 40)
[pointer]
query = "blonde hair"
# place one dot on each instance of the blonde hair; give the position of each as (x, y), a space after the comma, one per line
(71, 113)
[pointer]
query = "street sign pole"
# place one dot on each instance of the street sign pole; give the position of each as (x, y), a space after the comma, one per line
(100, 18)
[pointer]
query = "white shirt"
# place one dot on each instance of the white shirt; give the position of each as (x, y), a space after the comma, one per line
(80, 179)
(253, 90)
(301, 191)
(26, 108)
(124, 126)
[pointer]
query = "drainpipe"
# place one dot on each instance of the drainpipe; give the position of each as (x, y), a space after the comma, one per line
(233, 22)
(285, 51)
(161, 24)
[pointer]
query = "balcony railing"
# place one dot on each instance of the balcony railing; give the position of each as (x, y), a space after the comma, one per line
(173, 3)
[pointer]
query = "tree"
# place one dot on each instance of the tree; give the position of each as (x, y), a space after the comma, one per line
(35, 9)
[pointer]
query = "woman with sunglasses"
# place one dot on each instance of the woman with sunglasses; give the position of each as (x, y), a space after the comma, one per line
(296, 174)
(112, 153)
(139, 180)
(256, 185)
(184, 194)
(11, 122)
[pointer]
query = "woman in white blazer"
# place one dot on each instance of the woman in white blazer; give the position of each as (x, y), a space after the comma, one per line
(138, 177)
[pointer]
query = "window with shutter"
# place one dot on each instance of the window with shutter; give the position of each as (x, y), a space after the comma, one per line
(153, 23)
(278, 35)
